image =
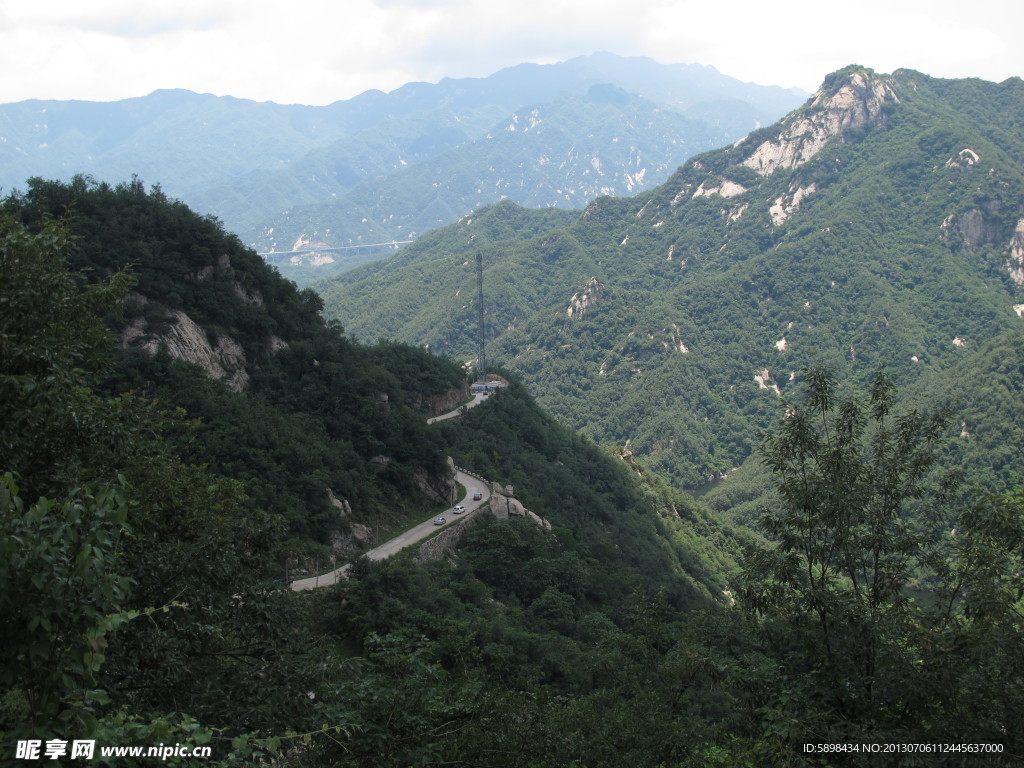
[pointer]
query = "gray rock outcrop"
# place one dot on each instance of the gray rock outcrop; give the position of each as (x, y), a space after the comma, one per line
(186, 340)
(504, 506)
(586, 298)
(859, 103)
(341, 505)
(1016, 263)
(447, 401)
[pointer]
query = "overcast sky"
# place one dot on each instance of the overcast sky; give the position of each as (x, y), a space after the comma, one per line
(319, 51)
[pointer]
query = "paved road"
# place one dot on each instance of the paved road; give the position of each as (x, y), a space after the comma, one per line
(413, 535)
(478, 398)
(419, 532)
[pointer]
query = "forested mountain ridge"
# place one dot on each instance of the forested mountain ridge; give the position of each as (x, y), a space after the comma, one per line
(146, 510)
(294, 177)
(287, 404)
(182, 431)
(878, 225)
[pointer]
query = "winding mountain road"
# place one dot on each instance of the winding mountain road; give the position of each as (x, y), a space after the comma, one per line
(474, 485)
(478, 398)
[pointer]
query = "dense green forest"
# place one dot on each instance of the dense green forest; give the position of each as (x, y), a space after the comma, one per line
(878, 226)
(858, 583)
(150, 507)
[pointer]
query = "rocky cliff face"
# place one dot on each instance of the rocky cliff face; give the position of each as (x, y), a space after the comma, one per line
(586, 298)
(1016, 263)
(858, 104)
(439, 488)
(443, 403)
(982, 225)
(185, 340)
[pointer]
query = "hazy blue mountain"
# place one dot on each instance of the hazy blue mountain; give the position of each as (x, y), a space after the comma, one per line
(562, 153)
(182, 140)
(293, 177)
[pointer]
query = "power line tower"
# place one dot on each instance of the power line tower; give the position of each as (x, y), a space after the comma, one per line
(482, 373)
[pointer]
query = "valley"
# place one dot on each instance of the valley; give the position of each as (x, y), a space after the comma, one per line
(312, 187)
(672, 323)
(817, 324)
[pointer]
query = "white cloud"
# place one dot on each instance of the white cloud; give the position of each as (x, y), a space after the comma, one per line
(317, 51)
(798, 43)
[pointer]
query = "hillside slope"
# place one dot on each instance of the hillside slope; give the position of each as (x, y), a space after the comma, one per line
(322, 435)
(143, 551)
(328, 435)
(880, 225)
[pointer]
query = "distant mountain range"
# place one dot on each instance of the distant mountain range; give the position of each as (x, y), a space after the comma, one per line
(881, 225)
(381, 167)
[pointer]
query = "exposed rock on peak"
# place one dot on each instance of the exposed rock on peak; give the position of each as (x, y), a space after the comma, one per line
(582, 301)
(859, 103)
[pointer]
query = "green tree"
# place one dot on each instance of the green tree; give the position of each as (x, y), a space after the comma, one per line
(974, 665)
(881, 627)
(54, 431)
(61, 589)
(61, 515)
(846, 549)
(65, 502)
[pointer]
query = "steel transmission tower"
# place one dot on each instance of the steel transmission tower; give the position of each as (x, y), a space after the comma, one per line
(480, 296)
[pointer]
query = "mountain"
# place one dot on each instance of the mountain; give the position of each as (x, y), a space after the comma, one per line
(217, 433)
(183, 140)
(561, 153)
(879, 225)
(288, 407)
(182, 429)
(382, 167)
